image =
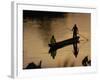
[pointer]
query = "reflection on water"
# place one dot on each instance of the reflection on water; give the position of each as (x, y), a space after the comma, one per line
(37, 34)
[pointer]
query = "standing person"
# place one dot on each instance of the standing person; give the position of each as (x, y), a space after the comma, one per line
(75, 46)
(75, 31)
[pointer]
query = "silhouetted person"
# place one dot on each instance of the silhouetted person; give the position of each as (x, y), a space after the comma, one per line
(75, 46)
(75, 31)
(86, 62)
(53, 49)
(33, 65)
(53, 40)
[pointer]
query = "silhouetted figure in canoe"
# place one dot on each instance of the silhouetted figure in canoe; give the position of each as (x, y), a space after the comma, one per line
(75, 46)
(54, 46)
(33, 65)
(86, 62)
(53, 49)
(75, 31)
